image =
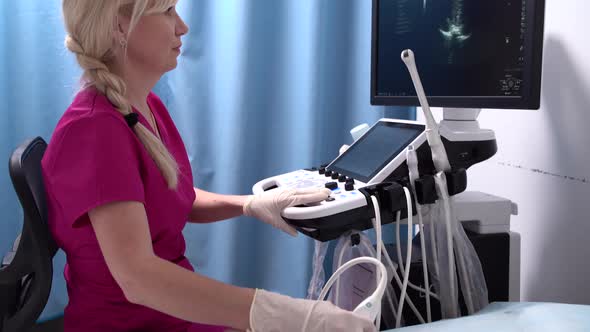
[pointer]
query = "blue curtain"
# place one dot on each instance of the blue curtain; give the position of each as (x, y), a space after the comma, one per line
(263, 87)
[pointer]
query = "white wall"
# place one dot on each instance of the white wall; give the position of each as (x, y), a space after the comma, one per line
(543, 164)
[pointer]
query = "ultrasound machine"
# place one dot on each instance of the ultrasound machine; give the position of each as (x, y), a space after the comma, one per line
(471, 54)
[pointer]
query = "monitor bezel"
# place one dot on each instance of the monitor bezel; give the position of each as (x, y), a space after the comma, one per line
(531, 98)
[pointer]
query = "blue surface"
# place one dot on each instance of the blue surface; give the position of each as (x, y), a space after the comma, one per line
(522, 316)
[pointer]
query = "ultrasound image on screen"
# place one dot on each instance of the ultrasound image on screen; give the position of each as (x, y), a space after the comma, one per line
(462, 47)
(373, 151)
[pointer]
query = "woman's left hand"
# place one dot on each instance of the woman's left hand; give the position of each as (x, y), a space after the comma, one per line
(268, 205)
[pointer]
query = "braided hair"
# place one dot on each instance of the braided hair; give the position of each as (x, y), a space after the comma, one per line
(89, 24)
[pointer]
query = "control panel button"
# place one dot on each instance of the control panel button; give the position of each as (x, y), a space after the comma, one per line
(328, 173)
(331, 185)
(342, 178)
(349, 186)
(350, 180)
(322, 170)
(335, 175)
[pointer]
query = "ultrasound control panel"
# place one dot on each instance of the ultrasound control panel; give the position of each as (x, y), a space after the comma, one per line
(370, 160)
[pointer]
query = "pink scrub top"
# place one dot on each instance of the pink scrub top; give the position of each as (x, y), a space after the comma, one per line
(94, 158)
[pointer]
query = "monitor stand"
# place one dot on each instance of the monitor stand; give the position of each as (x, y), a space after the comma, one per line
(460, 124)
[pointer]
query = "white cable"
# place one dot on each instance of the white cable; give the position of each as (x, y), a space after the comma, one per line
(414, 287)
(336, 289)
(425, 265)
(371, 250)
(366, 306)
(412, 161)
(383, 274)
(408, 258)
(442, 187)
(433, 249)
(432, 246)
(398, 241)
(398, 281)
(399, 256)
(377, 226)
(379, 240)
(399, 284)
(440, 182)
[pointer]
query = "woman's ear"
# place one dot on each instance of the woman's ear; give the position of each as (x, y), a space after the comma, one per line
(119, 37)
(121, 28)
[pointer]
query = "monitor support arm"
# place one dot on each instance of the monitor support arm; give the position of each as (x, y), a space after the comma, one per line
(460, 124)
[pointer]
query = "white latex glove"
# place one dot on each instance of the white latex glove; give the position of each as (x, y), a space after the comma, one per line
(267, 206)
(272, 312)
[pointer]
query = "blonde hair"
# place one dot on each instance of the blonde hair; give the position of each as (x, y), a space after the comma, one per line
(90, 25)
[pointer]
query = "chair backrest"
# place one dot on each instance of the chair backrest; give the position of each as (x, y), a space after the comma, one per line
(25, 281)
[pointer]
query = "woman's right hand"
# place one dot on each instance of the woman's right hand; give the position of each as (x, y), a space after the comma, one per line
(272, 312)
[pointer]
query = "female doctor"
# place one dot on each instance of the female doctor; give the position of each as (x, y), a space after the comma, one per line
(119, 192)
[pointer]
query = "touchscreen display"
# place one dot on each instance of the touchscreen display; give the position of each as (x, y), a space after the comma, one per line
(379, 146)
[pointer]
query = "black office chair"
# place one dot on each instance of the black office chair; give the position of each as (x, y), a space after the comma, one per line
(26, 272)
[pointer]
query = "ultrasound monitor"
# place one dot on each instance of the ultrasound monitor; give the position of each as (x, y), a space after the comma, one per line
(470, 53)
